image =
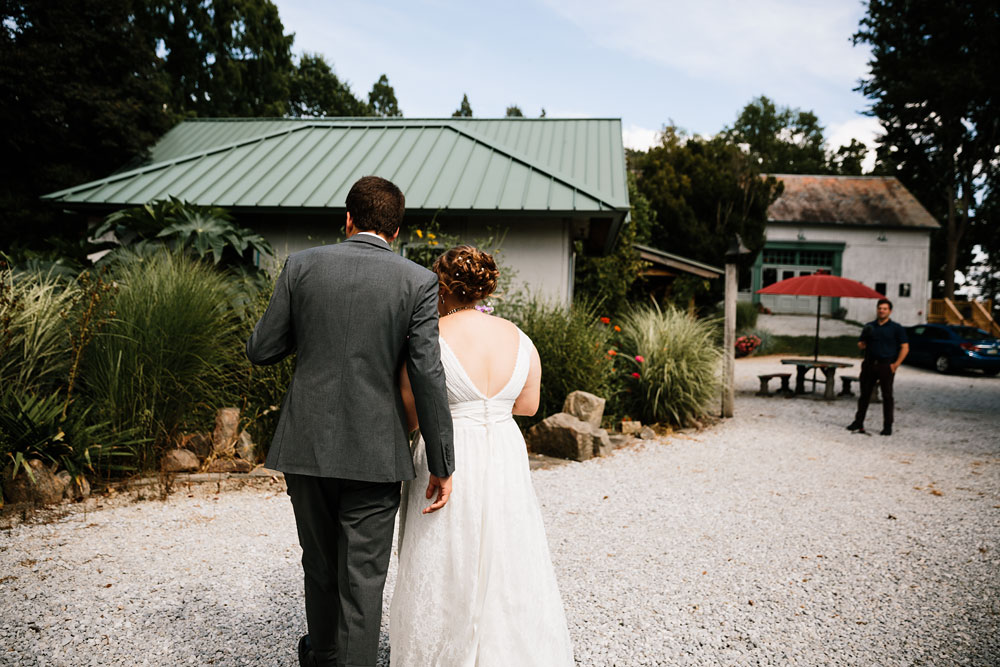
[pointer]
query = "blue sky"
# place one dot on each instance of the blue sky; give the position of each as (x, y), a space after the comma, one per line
(695, 64)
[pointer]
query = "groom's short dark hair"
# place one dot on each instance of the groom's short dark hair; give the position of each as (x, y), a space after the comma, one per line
(376, 205)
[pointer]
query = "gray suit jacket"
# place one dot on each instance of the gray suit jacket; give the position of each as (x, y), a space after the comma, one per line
(353, 313)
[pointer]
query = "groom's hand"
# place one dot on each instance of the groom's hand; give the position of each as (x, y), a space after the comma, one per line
(442, 485)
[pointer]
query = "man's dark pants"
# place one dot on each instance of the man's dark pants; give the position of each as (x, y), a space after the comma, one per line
(872, 372)
(345, 530)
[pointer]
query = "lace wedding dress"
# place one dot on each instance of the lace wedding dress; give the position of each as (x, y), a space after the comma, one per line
(475, 586)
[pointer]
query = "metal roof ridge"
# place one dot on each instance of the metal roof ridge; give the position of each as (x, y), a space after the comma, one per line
(476, 137)
(375, 119)
(565, 180)
(155, 166)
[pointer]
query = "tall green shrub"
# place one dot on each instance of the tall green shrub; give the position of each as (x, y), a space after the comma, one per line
(675, 358)
(164, 358)
(572, 344)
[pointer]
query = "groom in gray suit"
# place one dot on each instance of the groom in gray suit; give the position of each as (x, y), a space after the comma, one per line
(353, 313)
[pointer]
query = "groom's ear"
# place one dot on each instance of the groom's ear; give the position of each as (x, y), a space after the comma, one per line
(395, 234)
(349, 225)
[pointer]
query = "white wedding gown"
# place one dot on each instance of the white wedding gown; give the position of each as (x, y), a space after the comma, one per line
(475, 585)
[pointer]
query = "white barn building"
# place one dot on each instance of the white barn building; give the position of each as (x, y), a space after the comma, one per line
(866, 228)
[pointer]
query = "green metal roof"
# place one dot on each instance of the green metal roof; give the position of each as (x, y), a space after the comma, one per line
(537, 165)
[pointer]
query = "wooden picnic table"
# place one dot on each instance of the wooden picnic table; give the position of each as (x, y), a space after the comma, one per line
(803, 366)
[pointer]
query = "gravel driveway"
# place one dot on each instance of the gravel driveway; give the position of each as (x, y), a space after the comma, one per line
(775, 538)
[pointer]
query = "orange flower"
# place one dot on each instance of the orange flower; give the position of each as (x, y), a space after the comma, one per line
(617, 328)
(606, 320)
(611, 353)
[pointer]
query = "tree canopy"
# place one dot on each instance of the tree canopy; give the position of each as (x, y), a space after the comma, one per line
(464, 109)
(316, 91)
(514, 111)
(703, 191)
(382, 98)
(780, 140)
(81, 94)
(933, 86)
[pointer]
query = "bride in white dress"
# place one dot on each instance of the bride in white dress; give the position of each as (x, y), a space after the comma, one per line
(475, 586)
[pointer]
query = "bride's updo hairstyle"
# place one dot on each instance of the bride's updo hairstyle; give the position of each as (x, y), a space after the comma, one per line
(467, 272)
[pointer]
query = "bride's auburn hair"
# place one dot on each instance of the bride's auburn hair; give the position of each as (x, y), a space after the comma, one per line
(467, 272)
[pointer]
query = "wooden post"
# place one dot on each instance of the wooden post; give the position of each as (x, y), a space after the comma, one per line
(729, 343)
(736, 248)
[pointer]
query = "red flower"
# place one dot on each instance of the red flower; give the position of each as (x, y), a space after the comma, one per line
(635, 375)
(611, 353)
(606, 320)
(639, 358)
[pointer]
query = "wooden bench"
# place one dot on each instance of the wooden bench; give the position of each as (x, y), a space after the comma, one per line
(766, 379)
(845, 390)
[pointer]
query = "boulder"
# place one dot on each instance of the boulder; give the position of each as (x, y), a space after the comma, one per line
(199, 443)
(631, 428)
(230, 465)
(564, 436)
(245, 447)
(46, 489)
(227, 430)
(74, 489)
(586, 407)
(646, 433)
(180, 460)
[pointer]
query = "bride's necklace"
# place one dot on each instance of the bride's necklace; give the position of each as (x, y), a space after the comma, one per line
(455, 310)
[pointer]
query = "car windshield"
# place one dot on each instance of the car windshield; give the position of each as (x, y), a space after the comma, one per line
(971, 333)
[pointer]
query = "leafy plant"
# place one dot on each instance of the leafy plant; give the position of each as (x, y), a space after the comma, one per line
(679, 360)
(179, 225)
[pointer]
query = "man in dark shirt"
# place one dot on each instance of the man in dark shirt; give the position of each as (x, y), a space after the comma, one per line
(885, 345)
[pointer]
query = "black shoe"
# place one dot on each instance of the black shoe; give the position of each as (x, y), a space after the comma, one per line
(306, 657)
(856, 426)
(886, 430)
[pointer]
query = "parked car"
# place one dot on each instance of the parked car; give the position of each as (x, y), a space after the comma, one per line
(948, 347)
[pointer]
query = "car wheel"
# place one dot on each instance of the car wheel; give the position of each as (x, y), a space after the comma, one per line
(991, 372)
(942, 364)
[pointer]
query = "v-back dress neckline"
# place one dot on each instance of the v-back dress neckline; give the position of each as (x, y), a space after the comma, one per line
(468, 379)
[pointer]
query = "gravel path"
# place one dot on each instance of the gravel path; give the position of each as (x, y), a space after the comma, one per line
(773, 538)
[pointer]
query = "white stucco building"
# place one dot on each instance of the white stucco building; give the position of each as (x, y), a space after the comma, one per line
(867, 228)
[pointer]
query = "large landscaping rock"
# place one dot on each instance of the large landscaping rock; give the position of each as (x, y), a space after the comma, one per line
(74, 489)
(199, 443)
(565, 436)
(230, 465)
(227, 430)
(631, 428)
(586, 407)
(180, 460)
(245, 447)
(46, 489)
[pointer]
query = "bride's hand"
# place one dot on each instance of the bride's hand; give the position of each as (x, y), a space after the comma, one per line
(443, 486)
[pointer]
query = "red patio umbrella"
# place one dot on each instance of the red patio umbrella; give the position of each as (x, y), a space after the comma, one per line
(821, 284)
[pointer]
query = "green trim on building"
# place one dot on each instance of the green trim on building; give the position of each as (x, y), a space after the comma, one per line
(756, 273)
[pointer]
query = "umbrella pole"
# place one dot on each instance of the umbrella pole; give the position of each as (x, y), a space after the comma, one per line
(819, 306)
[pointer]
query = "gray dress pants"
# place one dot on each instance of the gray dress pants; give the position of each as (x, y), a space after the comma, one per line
(345, 530)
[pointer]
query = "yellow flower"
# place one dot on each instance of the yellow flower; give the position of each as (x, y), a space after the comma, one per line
(420, 234)
(432, 243)
(431, 235)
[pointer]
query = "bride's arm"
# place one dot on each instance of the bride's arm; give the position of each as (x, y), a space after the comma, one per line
(526, 403)
(408, 401)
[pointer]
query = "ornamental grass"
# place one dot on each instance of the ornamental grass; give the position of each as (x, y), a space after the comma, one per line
(677, 377)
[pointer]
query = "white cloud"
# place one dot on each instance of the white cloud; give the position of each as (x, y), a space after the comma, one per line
(640, 138)
(863, 128)
(779, 45)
